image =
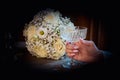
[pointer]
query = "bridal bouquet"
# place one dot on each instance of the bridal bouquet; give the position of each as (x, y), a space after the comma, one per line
(42, 34)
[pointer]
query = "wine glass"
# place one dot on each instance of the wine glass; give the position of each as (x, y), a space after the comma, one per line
(72, 36)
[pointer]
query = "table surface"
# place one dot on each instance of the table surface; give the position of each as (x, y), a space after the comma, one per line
(45, 64)
(49, 64)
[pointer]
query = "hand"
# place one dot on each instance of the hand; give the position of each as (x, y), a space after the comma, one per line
(84, 50)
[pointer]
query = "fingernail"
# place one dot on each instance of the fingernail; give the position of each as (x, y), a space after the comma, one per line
(75, 50)
(76, 47)
(72, 54)
(81, 39)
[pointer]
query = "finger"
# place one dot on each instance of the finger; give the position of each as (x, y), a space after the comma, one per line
(77, 45)
(71, 46)
(70, 54)
(72, 51)
(77, 56)
(68, 43)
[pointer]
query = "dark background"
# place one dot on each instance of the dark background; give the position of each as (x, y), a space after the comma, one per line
(14, 15)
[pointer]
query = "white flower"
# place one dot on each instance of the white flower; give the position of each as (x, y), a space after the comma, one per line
(30, 32)
(71, 26)
(40, 51)
(42, 32)
(52, 18)
(59, 47)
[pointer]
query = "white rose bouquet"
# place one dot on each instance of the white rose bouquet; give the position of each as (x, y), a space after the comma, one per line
(42, 34)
